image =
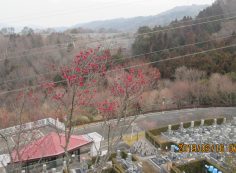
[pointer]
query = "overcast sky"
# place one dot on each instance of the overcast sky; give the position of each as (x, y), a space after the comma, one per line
(51, 13)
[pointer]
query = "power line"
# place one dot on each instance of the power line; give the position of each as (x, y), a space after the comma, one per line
(179, 27)
(48, 50)
(141, 34)
(135, 56)
(178, 57)
(54, 45)
(38, 52)
(186, 45)
(108, 4)
(65, 43)
(134, 66)
(38, 48)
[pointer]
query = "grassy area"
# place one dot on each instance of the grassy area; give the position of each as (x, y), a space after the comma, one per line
(130, 140)
(147, 167)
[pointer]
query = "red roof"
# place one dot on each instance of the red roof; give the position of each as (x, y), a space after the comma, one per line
(48, 146)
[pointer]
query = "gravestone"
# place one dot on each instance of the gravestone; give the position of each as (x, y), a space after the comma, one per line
(54, 170)
(202, 122)
(215, 123)
(192, 124)
(181, 126)
(118, 156)
(169, 129)
(44, 168)
(224, 120)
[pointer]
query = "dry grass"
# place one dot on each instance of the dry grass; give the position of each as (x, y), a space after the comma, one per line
(136, 137)
(149, 168)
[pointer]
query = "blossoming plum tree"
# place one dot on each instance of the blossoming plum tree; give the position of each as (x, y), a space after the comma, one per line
(79, 87)
(125, 86)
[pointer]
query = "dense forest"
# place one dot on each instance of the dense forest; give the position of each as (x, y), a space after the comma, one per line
(198, 34)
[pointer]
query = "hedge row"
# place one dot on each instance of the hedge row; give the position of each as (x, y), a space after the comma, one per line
(153, 135)
(196, 166)
(109, 170)
(117, 167)
(156, 142)
(123, 156)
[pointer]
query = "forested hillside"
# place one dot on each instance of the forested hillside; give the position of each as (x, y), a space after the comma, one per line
(213, 28)
(28, 54)
(17, 62)
(191, 62)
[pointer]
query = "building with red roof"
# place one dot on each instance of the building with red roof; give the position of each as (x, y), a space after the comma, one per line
(49, 147)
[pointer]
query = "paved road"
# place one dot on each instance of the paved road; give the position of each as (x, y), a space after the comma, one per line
(159, 119)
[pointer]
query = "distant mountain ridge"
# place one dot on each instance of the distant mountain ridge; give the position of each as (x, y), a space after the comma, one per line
(132, 24)
(128, 24)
